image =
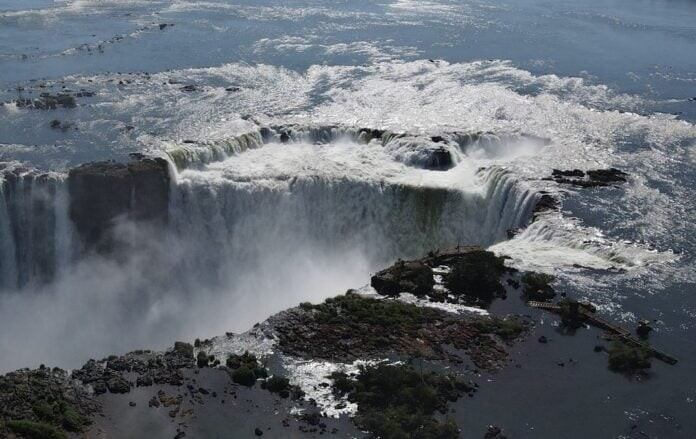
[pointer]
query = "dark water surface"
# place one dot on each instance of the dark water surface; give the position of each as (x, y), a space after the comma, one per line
(610, 82)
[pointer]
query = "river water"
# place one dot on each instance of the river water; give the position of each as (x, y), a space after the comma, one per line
(608, 83)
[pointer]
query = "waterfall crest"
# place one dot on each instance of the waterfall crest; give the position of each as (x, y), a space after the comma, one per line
(227, 213)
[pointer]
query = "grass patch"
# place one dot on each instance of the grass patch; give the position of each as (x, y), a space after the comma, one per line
(507, 329)
(388, 313)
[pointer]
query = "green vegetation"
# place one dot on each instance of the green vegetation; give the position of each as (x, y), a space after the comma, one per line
(477, 276)
(537, 286)
(413, 277)
(245, 369)
(508, 329)
(35, 430)
(281, 385)
(397, 402)
(276, 384)
(571, 312)
(341, 383)
(375, 328)
(184, 349)
(202, 359)
(244, 376)
(387, 313)
(628, 358)
(59, 413)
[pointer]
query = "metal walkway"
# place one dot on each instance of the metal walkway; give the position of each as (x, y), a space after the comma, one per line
(624, 334)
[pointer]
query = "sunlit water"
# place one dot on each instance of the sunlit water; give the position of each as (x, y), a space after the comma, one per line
(608, 83)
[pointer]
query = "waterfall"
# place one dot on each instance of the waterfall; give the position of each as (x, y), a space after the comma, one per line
(34, 226)
(239, 222)
(50, 220)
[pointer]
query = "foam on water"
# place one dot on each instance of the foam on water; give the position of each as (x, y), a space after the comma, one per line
(256, 205)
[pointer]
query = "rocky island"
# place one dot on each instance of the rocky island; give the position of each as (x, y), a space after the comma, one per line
(386, 360)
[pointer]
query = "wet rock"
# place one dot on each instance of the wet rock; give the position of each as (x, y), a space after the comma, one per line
(439, 159)
(494, 432)
(184, 349)
(101, 192)
(404, 277)
(610, 175)
(591, 178)
(573, 173)
(117, 384)
(348, 327)
(189, 87)
(47, 101)
(144, 381)
(43, 402)
(545, 203)
(258, 432)
(202, 359)
(543, 339)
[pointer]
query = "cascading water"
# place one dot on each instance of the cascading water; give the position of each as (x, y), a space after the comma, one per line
(35, 230)
(240, 220)
(327, 189)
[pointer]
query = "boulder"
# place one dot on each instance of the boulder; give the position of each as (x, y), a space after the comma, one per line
(118, 384)
(413, 277)
(184, 349)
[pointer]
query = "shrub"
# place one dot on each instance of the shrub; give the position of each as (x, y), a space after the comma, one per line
(202, 359)
(72, 420)
(44, 411)
(35, 430)
(507, 329)
(477, 276)
(537, 286)
(341, 383)
(628, 358)
(245, 368)
(184, 349)
(244, 376)
(281, 385)
(395, 401)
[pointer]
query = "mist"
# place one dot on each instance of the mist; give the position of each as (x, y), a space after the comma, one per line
(143, 300)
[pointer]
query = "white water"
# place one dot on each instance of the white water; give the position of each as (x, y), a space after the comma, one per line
(259, 227)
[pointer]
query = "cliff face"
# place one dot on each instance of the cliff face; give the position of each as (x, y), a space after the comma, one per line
(102, 192)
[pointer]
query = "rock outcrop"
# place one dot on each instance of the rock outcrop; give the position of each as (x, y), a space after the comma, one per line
(102, 192)
(591, 178)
